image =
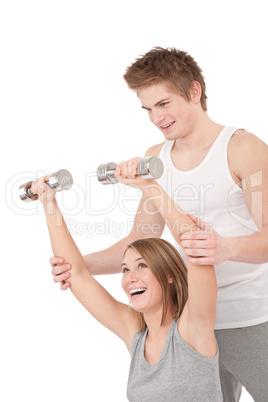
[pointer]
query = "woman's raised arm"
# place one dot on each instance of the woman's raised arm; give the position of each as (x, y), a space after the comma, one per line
(116, 316)
(197, 322)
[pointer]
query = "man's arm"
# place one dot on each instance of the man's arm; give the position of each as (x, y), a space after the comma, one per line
(248, 163)
(148, 223)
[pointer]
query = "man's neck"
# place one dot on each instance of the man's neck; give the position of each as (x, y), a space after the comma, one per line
(201, 136)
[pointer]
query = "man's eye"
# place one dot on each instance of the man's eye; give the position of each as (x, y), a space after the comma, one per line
(164, 104)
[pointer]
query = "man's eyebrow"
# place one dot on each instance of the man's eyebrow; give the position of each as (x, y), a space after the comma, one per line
(157, 104)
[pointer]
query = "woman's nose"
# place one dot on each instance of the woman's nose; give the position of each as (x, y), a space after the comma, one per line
(133, 276)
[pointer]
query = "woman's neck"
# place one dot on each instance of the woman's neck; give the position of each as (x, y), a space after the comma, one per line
(156, 330)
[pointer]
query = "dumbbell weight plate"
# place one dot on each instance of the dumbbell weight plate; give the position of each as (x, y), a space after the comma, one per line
(151, 167)
(61, 180)
(26, 194)
(105, 173)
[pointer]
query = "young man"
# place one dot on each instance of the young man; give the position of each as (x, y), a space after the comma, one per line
(219, 174)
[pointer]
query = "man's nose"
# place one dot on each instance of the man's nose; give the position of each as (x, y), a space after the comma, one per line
(157, 116)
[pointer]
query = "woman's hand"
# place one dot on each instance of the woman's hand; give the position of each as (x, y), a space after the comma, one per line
(45, 194)
(126, 173)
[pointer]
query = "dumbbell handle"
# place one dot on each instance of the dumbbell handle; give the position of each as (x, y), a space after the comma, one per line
(150, 168)
(58, 181)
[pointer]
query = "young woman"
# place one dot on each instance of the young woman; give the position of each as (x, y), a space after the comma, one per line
(169, 330)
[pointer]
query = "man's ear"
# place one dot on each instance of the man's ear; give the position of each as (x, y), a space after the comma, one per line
(195, 91)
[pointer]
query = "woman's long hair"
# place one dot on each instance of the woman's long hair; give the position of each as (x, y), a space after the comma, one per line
(164, 261)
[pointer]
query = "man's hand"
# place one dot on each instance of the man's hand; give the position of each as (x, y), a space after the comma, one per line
(60, 271)
(205, 247)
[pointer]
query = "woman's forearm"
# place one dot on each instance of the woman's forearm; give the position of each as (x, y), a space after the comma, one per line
(61, 240)
(202, 285)
(175, 218)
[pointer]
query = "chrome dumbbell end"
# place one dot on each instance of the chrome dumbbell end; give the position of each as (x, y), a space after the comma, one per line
(58, 181)
(26, 193)
(150, 167)
(105, 173)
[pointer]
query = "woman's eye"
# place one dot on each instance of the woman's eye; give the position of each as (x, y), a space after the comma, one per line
(125, 270)
(141, 265)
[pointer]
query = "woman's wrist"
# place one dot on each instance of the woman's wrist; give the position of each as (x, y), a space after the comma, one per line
(147, 185)
(50, 205)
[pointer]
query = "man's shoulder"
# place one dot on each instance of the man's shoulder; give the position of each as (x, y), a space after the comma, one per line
(154, 150)
(244, 139)
(243, 142)
(246, 153)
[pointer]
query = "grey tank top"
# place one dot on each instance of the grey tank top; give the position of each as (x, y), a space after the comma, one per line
(181, 374)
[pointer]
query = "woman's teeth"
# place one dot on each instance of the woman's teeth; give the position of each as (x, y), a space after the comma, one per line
(135, 292)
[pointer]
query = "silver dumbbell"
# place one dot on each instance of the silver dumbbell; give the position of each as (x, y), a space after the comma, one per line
(58, 181)
(150, 168)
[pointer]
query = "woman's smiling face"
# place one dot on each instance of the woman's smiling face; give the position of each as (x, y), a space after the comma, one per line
(139, 283)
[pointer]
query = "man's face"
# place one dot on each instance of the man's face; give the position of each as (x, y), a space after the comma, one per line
(170, 112)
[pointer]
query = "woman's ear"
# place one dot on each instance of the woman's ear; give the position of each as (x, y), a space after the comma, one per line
(170, 279)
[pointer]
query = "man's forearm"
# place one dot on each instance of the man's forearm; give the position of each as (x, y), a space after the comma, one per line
(252, 249)
(108, 261)
(147, 223)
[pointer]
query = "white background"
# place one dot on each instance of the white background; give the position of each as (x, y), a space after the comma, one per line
(64, 104)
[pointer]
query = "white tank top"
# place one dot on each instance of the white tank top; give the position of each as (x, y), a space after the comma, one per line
(209, 192)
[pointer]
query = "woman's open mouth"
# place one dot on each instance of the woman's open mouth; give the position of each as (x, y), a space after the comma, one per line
(134, 293)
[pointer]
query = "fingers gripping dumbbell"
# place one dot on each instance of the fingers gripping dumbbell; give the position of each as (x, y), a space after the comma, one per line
(149, 168)
(58, 181)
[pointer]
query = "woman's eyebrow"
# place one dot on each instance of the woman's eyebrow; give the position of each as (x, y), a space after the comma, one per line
(137, 259)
